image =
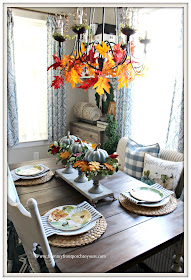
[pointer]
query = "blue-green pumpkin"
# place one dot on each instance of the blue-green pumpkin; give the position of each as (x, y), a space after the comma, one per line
(97, 154)
(69, 139)
(77, 147)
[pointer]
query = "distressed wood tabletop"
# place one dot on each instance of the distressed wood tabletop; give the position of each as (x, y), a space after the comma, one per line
(129, 238)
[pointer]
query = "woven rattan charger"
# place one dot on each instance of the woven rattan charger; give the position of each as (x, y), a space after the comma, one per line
(47, 177)
(81, 239)
(148, 211)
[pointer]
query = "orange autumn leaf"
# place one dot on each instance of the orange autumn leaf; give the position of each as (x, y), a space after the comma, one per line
(102, 84)
(109, 166)
(90, 70)
(66, 59)
(93, 166)
(93, 146)
(82, 164)
(102, 49)
(126, 74)
(65, 155)
(108, 65)
(75, 76)
(72, 77)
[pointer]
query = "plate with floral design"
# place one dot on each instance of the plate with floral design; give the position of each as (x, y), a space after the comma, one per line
(69, 217)
(29, 170)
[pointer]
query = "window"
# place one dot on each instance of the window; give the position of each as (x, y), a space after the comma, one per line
(30, 37)
(152, 95)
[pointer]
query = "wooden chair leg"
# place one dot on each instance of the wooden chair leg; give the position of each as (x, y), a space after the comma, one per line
(33, 261)
(177, 259)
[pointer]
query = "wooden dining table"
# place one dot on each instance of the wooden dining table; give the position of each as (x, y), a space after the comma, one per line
(129, 238)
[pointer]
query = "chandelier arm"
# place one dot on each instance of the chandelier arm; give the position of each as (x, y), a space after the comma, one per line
(92, 21)
(80, 58)
(134, 68)
(74, 47)
(116, 24)
(124, 58)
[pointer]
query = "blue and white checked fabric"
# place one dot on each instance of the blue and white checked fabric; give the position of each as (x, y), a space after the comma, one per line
(134, 157)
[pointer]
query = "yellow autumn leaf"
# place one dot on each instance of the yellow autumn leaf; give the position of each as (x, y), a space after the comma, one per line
(123, 81)
(102, 49)
(83, 48)
(101, 85)
(75, 76)
(72, 77)
(108, 65)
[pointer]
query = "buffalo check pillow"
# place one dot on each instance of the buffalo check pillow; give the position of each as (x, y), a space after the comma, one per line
(134, 157)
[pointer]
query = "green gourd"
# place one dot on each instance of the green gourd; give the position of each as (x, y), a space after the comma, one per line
(97, 154)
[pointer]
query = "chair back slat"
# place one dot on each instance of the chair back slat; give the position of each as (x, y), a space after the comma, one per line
(29, 227)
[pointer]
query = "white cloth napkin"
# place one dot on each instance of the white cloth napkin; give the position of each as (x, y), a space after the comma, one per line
(17, 177)
(158, 187)
(49, 230)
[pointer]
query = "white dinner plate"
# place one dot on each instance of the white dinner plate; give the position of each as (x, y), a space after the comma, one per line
(68, 233)
(147, 194)
(35, 176)
(69, 217)
(29, 170)
(156, 204)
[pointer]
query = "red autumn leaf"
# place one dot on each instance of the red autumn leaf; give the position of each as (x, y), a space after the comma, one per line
(57, 82)
(56, 58)
(55, 150)
(56, 64)
(113, 155)
(89, 83)
(132, 48)
(90, 57)
(118, 53)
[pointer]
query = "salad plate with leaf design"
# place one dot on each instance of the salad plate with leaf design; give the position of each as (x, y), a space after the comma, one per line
(147, 194)
(29, 170)
(69, 217)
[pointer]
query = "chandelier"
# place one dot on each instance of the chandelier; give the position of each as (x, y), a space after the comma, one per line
(94, 63)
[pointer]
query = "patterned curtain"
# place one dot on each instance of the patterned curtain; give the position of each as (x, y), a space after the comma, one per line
(137, 103)
(175, 135)
(12, 113)
(124, 101)
(123, 113)
(56, 98)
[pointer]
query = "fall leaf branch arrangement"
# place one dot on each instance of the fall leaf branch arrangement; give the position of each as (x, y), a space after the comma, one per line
(72, 67)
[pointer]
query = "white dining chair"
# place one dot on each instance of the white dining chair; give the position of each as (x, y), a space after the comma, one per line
(29, 228)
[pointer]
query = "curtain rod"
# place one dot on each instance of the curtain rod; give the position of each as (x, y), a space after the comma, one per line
(30, 10)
